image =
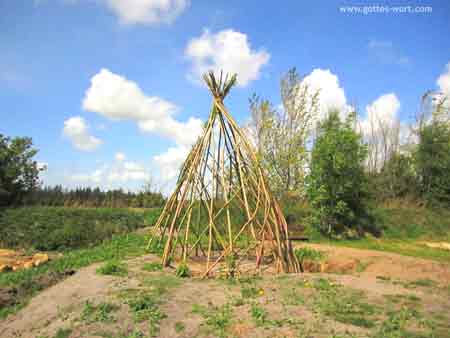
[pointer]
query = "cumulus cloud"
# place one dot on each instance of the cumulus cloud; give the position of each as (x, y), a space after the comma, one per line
(77, 131)
(147, 11)
(383, 110)
(114, 175)
(227, 50)
(331, 94)
(443, 82)
(171, 161)
(118, 98)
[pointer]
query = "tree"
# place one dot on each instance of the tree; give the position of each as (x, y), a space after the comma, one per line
(281, 135)
(433, 161)
(19, 173)
(396, 179)
(337, 185)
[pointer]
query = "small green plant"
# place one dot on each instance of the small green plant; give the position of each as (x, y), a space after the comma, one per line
(113, 268)
(308, 254)
(183, 270)
(150, 267)
(144, 307)
(249, 292)
(231, 266)
(98, 313)
(63, 333)
(179, 327)
(218, 319)
(259, 314)
(424, 282)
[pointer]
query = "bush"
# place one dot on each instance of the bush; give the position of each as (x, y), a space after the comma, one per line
(58, 228)
(183, 270)
(337, 184)
(433, 161)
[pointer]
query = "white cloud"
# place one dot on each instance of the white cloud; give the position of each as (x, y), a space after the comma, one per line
(331, 94)
(171, 161)
(120, 156)
(118, 98)
(147, 11)
(77, 131)
(114, 175)
(383, 110)
(444, 82)
(227, 50)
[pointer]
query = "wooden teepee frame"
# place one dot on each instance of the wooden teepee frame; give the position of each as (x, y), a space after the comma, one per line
(221, 177)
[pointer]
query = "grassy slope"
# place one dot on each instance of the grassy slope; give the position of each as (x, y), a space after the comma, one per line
(404, 232)
(26, 281)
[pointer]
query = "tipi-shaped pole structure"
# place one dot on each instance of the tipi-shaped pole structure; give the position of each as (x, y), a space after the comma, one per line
(222, 210)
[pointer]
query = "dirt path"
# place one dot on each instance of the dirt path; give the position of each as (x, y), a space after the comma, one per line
(273, 306)
(370, 263)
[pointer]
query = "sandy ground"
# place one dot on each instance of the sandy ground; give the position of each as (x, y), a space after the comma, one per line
(377, 274)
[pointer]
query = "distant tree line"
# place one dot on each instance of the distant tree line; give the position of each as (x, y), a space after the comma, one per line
(93, 198)
(20, 185)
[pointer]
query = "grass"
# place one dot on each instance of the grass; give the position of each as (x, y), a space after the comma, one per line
(217, 318)
(179, 327)
(113, 268)
(404, 228)
(344, 305)
(98, 313)
(60, 228)
(406, 247)
(145, 303)
(28, 282)
(183, 270)
(308, 254)
(259, 314)
(152, 267)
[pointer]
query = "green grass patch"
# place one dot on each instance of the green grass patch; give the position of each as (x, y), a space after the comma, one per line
(344, 305)
(217, 318)
(59, 228)
(102, 312)
(402, 247)
(179, 327)
(151, 267)
(258, 314)
(113, 268)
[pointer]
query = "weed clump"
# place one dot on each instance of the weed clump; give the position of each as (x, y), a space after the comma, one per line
(113, 268)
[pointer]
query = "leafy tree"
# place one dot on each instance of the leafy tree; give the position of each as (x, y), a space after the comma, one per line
(281, 135)
(396, 179)
(19, 173)
(337, 184)
(433, 160)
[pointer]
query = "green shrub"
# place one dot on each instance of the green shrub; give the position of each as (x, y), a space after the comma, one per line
(304, 254)
(337, 184)
(183, 270)
(59, 228)
(433, 161)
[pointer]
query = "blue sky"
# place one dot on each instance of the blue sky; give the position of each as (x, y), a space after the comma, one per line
(147, 103)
